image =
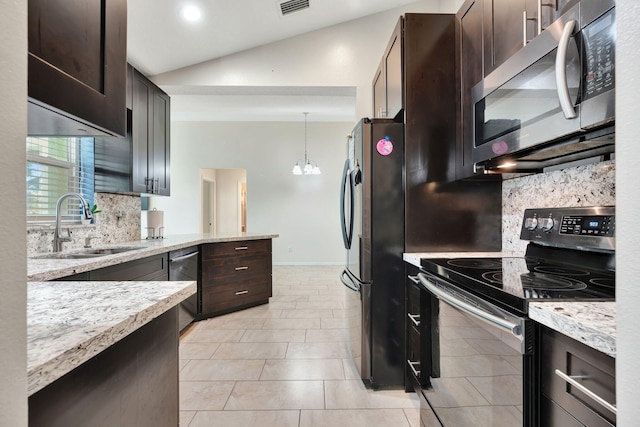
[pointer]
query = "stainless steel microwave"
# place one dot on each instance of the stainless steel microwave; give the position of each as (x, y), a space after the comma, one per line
(554, 100)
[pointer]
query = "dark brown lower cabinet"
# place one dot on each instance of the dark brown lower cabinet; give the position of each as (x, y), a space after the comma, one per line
(132, 383)
(563, 404)
(235, 275)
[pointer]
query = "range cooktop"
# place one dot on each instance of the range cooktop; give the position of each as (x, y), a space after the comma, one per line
(515, 281)
(570, 257)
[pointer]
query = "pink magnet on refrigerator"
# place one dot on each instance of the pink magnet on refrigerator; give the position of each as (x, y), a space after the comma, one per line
(384, 146)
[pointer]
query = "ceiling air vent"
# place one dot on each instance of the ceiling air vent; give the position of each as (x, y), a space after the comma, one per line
(290, 6)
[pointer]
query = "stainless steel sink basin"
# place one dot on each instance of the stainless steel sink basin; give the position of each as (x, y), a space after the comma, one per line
(87, 253)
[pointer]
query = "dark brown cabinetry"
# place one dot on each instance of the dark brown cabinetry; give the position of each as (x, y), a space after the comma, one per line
(150, 137)
(388, 96)
(139, 163)
(235, 275)
(418, 351)
(509, 25)
(150, 268)
(77, 66)
(563, 404)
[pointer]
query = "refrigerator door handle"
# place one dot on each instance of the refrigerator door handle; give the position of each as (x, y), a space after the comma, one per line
(349, 281)
(347, 227)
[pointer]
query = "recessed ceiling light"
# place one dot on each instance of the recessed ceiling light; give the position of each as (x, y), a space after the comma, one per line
(191, 13)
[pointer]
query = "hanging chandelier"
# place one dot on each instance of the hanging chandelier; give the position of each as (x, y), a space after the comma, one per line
(308, 169)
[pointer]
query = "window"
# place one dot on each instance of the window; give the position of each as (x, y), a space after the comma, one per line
(58, 165)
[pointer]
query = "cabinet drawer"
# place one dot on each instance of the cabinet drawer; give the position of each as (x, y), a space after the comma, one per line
(240, 248)
(216, 301)
(413, 352)
(223, 270)
(595, 371)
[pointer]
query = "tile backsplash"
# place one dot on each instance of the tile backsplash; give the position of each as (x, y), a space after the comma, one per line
(108, 229)
(589, 185)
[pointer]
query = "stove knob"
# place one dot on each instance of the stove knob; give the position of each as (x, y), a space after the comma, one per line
(546, 224)
(531, 223)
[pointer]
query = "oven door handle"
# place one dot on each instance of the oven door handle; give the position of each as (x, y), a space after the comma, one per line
(476, 312)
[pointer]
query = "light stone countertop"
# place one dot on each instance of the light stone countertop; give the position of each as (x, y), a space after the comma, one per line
(42, 269)
(413, 258)
(591, 323)
(70, 322)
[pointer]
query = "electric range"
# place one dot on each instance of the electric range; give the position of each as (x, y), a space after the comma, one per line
(570, 257)
(478, 332)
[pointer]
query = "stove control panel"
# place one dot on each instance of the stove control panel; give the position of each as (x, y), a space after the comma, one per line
(591, 227)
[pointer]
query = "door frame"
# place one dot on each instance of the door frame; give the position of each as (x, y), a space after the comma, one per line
(208, 182)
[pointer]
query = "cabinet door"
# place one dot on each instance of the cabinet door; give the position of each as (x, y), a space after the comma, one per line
(393, 74)
(77, 65)
(160, 144)
(380, 93)
(141, 132)
(469, 58)
(504, 27)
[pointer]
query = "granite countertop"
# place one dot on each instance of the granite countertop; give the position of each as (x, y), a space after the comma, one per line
(41, 269)
(70, 322)
(591, 323)
(413, 258)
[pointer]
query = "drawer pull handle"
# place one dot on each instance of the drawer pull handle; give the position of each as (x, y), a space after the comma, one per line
(414, 279)
(415, 318)
(242, 248)
(415, 372)
(242, 292)
(241, 268)
(572, 381)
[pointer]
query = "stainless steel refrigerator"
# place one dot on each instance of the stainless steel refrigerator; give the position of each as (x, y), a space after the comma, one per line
(372, 217)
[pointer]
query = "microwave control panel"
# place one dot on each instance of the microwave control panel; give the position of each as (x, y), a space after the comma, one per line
(599, 41)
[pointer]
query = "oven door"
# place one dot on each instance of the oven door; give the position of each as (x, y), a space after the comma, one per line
(482, 363)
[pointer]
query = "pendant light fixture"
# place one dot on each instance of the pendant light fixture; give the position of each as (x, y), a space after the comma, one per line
(308, 168)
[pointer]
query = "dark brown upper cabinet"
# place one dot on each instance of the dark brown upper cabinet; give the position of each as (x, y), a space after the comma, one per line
(150, 136)
(140, 162)
(508, 26)
(388, 94)
(77, 67)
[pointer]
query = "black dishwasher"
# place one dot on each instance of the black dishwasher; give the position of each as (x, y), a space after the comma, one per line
(184, 264)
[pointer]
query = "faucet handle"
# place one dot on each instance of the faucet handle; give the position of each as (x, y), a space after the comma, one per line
(87, 241)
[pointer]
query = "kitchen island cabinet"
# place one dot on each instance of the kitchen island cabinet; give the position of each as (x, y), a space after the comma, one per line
(235, 275)
(103, 353)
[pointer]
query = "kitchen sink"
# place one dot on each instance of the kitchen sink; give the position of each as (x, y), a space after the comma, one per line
(87, 253)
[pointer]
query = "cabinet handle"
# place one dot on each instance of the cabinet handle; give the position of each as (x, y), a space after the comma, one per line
(414, 279)
(242, 292)
(572, 381)
(540, 4)
(524, 27)
(155, 184)
(415, 318)
(415, 372)
(242, 248)
(241, 268)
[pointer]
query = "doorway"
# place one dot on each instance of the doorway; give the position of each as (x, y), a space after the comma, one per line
(223, 200)
(208, 205)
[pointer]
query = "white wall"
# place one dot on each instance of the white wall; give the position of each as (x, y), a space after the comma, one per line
(13, 240)
(303, 210)
(346, 54)
(627, 212)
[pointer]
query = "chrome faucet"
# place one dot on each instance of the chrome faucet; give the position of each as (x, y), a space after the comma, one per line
(86, 211)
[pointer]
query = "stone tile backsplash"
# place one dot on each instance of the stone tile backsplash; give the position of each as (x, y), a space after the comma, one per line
(108, 229)
(589, 185)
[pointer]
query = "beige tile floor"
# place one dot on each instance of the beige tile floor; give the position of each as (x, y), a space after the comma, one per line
(283, 364)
